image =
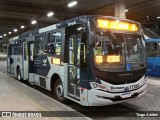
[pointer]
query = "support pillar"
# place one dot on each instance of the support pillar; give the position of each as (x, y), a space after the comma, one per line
(120, 9)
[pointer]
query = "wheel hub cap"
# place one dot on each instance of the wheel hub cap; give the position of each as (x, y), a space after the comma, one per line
(60, 90)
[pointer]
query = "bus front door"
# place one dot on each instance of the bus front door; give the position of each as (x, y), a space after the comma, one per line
(74, 66)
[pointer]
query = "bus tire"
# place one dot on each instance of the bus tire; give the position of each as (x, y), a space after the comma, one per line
(19, 77)
(59, 91)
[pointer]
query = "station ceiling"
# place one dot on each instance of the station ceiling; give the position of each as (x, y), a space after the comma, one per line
(14, 13)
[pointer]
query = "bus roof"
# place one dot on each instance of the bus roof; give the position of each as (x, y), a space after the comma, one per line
(67, 22)
(14, 38)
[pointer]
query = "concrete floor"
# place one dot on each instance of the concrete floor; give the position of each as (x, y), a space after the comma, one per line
(17, 96)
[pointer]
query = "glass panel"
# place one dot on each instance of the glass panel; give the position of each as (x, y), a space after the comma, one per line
(42, 49)
(114, 50)
(72, 75)
(42, 40)
(31, 51)
(78, 50)
(133, 47)
(25, 52)
(71, 51)
(54, 43)
(151, 49)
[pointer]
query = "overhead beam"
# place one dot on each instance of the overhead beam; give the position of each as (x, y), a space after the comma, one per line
(15, 21)
(103, 7)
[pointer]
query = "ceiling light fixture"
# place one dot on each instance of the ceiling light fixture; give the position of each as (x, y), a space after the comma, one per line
(126, 10)
(50, 14)
(117, 20)
(9, 32)
(1, 36)
(4, 35)
(158, 17)
(22, 26)
(72, 3)
(33, 22)
(80, 28)
(15, 30)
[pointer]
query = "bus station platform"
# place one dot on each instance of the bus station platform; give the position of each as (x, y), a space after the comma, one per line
(17, 96)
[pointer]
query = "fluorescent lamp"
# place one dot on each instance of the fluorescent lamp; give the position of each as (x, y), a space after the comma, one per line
(15, 30)
(22, 26)
(72, 3)
(9, 32)
(4, 35)
(80, 28)
(33, 22)
(126, 10)
(50, 14)
(117, 20)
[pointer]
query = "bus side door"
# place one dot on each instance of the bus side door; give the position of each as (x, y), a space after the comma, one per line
(28, 50)
(25, 60)
(9, 60)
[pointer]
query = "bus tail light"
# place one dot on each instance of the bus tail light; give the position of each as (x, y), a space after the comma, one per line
(95, 85)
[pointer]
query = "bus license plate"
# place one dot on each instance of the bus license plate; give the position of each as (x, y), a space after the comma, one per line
(126, 95)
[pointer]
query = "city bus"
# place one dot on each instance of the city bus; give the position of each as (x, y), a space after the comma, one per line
(92, 60)
(153, 56)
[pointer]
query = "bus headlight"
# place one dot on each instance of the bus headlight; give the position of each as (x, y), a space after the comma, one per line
(95, 85)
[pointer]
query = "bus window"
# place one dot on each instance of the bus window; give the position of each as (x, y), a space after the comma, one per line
(54, 43)
(71, 51)
(151, 49)
(31, 51)
(41, 45)
(42, 49)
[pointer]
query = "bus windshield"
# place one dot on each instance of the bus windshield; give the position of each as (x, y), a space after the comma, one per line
(119, 51)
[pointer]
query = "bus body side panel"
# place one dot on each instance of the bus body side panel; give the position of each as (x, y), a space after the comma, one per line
(62, 71)
(153, 66)
(55, 69)
(43, 79)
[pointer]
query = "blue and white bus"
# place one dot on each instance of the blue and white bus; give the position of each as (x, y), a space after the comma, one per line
(92, 60)
(153, 56)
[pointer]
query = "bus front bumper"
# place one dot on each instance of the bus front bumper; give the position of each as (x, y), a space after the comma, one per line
(101, 98)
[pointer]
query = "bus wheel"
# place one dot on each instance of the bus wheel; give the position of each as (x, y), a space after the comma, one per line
(19, 74)
(59, 91)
